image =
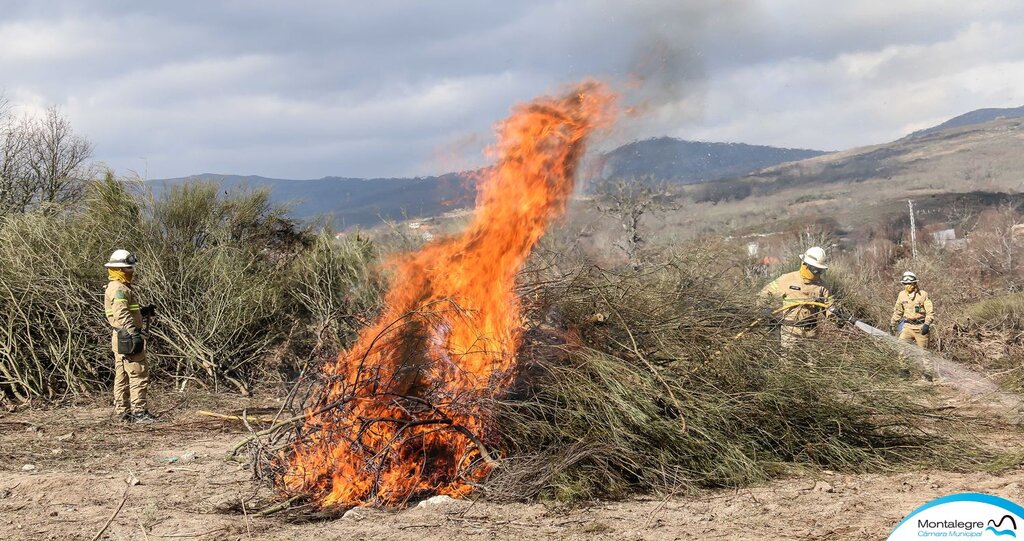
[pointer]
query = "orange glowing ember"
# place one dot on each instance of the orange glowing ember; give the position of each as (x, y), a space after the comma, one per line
(404, 414)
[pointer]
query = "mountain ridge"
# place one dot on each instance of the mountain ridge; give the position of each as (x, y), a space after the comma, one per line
(365, 202)
(977, 116)
(682, 161)
(353, 201)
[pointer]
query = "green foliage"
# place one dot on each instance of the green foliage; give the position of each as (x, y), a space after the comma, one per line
(721, 191)
(51, 327)
(807, 198)
(655, 394)
(231, 276)
(1005, 312)
(335, 286)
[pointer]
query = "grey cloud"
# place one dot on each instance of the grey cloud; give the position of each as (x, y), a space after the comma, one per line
(312, 88)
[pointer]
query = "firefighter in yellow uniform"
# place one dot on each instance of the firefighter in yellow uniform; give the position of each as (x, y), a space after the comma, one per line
(131, 373)
(915, 310)
(804, 297)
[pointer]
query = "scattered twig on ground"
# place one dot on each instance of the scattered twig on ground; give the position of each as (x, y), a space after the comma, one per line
(112, 517)
(269, 430)
(197, 534)
(413, 526)
(19, 422)
(658, 508)
(257, 418)
(172, 408)
(280, 506)
(245, 516)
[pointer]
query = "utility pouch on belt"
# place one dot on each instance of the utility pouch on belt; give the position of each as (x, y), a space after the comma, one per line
(127, 343)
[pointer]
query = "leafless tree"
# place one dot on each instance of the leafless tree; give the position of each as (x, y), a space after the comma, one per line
(629, 201)
(13, 141)
(996, 241)
(56, 156)
(960, 214)
(42, 160)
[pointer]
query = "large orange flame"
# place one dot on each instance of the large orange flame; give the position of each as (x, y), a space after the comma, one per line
(405, 413)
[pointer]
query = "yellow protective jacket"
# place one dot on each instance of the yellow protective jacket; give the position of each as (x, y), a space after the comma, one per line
(123, 312)
(794, 290)
(915, 308)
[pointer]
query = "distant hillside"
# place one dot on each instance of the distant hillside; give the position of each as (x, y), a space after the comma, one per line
(983, 157)
(978, 116)
(365, 202)
(351, 201)
(690, 162)
(859, 189)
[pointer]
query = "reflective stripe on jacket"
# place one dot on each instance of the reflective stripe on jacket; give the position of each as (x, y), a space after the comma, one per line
(794, 291)
(914, 308)
(121, 307)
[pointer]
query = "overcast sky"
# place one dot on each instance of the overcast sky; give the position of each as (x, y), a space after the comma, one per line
(304, 89)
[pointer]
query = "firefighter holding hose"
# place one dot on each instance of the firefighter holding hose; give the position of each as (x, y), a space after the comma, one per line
(125, 315)
(805, 299)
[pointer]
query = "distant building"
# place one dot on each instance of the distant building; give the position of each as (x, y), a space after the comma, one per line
(943, 237)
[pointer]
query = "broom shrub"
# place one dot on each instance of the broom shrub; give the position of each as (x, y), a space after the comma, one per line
(242, 291)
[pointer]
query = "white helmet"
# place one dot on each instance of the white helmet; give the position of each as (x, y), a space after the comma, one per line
(814, 257)
(121, 259)
(909, 278)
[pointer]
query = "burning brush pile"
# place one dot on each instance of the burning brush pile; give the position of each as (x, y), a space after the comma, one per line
(569, 381)
(408, 411)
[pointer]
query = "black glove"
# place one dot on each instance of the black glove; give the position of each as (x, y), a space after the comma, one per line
(766, 313)
(148, 311)
(924, 329)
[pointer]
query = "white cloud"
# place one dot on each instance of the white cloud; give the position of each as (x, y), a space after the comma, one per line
(396, 88)
(868, 95)
(28, 42)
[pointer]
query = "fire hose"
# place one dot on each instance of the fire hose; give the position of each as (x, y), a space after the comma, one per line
(966, 380)
(828, 306)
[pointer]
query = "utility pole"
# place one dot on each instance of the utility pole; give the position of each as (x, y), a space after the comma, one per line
(913, 231)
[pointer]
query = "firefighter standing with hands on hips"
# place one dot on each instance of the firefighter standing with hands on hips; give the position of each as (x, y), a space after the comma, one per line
(914, 309)
(125, 315)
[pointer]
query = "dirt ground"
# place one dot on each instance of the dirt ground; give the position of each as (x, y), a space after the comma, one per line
(64, 471)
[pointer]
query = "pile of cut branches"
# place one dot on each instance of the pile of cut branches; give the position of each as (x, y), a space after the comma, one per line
(631, 381)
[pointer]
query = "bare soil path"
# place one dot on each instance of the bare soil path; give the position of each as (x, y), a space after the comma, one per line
(64, 471)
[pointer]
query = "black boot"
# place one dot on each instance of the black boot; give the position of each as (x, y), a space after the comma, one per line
(126, 417)
(144, 417)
